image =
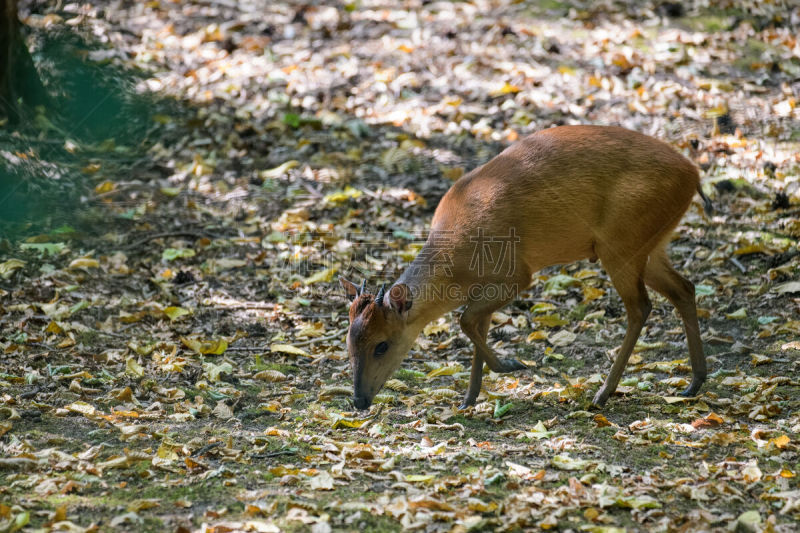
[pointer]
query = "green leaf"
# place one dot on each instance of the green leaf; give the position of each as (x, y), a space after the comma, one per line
(400, 234)
(291, 119)
(559, 283)
(500, 410)
(83, 304)
(170, 254)
(539, 432)
(703, 290)
(174, 312)
(20, 521)
(61, 230)
(51, 248)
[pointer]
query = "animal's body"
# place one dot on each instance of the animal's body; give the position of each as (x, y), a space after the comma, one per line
(558, 196)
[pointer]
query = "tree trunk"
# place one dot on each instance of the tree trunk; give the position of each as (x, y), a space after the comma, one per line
(18, 77)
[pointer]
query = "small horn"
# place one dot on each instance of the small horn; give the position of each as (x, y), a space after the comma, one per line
(379, 297)
(363, 286)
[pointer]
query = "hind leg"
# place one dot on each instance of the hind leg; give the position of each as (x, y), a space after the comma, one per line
(662, 277)
(627, 276)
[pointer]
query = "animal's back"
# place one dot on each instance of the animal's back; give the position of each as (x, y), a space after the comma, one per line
(568, 189)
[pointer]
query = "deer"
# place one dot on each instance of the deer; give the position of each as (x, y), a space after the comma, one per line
(557, 196)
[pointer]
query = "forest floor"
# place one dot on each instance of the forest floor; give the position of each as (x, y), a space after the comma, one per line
(172, 350)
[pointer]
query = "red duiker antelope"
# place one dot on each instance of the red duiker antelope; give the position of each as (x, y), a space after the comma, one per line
(557, 196)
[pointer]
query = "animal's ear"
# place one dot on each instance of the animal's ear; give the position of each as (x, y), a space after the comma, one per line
(398, 298)
(350, 289)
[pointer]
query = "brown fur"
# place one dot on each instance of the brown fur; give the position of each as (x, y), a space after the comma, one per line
(566, 193)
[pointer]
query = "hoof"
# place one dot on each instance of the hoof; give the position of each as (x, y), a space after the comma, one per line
(600, 399)
(510, 365)
(691, 391)
(469, 401)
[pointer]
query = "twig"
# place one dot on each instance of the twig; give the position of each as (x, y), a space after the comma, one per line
(154, 236)
(542, 300)
(245, 306)
(205, 449)
(121, 188)
(274, 454)
(738, 264)
(690, 258)
(246, 349)
(330, 337)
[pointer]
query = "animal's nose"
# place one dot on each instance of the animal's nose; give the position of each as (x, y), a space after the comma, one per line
(361, 402)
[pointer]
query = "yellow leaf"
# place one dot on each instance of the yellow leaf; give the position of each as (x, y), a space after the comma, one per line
(565, 69)
(675, 382)
(339, 197)
(348, 423)
(758, 359)
(321, 276)
(53, 327)
(106, 186)
(82, 408)
(642, 346)
(280, 170)
(7, 268)
(167, 452)
(312, 330)
(538, 335)
(716, 111)
(592, 293)
(207, 347)
(443, 394)
(445, 371)
(739, 314)
(420, 478)
(452, 173)
(751, 249)
(601, 421)
(436, 327)
(507, 88)
(331, 391)
(780, 442)
(133, 368)
(84, 262)
(270, 375)
(288, 348)
(174, 312)
(676, 399)
(550, 321)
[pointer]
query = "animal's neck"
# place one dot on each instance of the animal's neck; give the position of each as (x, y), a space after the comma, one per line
(432, 292)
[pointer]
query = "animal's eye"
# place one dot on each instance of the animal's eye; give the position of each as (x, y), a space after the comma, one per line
(381, 348)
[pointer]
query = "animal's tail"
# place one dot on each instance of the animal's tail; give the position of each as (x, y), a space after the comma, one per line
(707, 205)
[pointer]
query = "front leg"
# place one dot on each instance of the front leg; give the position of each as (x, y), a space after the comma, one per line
(475, 324)
(475, 379)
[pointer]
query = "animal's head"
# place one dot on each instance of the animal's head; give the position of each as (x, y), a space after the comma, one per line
(379, 337)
